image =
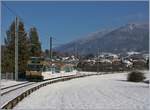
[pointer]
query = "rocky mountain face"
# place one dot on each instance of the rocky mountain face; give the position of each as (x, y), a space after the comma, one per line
(130, 37)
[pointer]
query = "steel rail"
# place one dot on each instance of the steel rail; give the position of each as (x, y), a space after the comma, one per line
(5, 91)
(13, 85)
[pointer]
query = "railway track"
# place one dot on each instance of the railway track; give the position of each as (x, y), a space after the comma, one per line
(9, 89)
(15, 87)
(10, 103)
(2, 88)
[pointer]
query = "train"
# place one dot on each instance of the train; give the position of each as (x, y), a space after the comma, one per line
(39, 69)
(34, 69)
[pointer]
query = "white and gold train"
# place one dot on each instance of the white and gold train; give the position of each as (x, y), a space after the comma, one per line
(40, 69)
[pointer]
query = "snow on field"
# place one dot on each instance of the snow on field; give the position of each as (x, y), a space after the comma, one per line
(48, 75)
(110, 91)
(6, 83)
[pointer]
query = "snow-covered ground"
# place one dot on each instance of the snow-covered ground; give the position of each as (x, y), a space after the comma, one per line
(110, 91)
(48, 75)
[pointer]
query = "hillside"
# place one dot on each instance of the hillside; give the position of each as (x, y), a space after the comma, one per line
(130, 37)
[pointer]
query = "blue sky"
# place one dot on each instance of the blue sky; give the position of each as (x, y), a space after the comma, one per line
(66, 21)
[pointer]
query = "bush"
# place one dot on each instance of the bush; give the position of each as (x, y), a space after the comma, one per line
(136, 76)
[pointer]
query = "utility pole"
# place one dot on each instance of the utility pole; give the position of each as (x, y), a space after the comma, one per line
(50, 48)
(98, 60)
(76, 51)
(50, 52)
(16, 47)
(76, 55)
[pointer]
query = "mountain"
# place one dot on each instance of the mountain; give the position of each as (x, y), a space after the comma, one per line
(130, 37)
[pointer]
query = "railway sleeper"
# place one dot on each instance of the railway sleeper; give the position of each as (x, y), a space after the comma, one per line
(30, 91)
(14, 102)
(19, 98)
(34, 89)
(8, 106)
(37, 87)
(24, 95)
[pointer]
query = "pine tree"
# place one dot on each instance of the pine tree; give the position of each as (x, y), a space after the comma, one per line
(35, 45)
(23, 50)
(9, 52)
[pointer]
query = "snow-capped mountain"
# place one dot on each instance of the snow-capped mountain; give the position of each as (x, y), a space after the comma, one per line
(130, 37)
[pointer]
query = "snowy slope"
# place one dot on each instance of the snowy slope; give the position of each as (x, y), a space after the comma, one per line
(109, 91)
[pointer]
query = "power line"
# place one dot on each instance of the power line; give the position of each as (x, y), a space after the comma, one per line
(14, 13)
(50, 48)
(98, 55)
(58, 44)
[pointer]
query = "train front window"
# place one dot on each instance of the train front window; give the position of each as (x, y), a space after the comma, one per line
(32, 67)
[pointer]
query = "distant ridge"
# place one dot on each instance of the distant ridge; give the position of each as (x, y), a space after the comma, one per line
(130, 37)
